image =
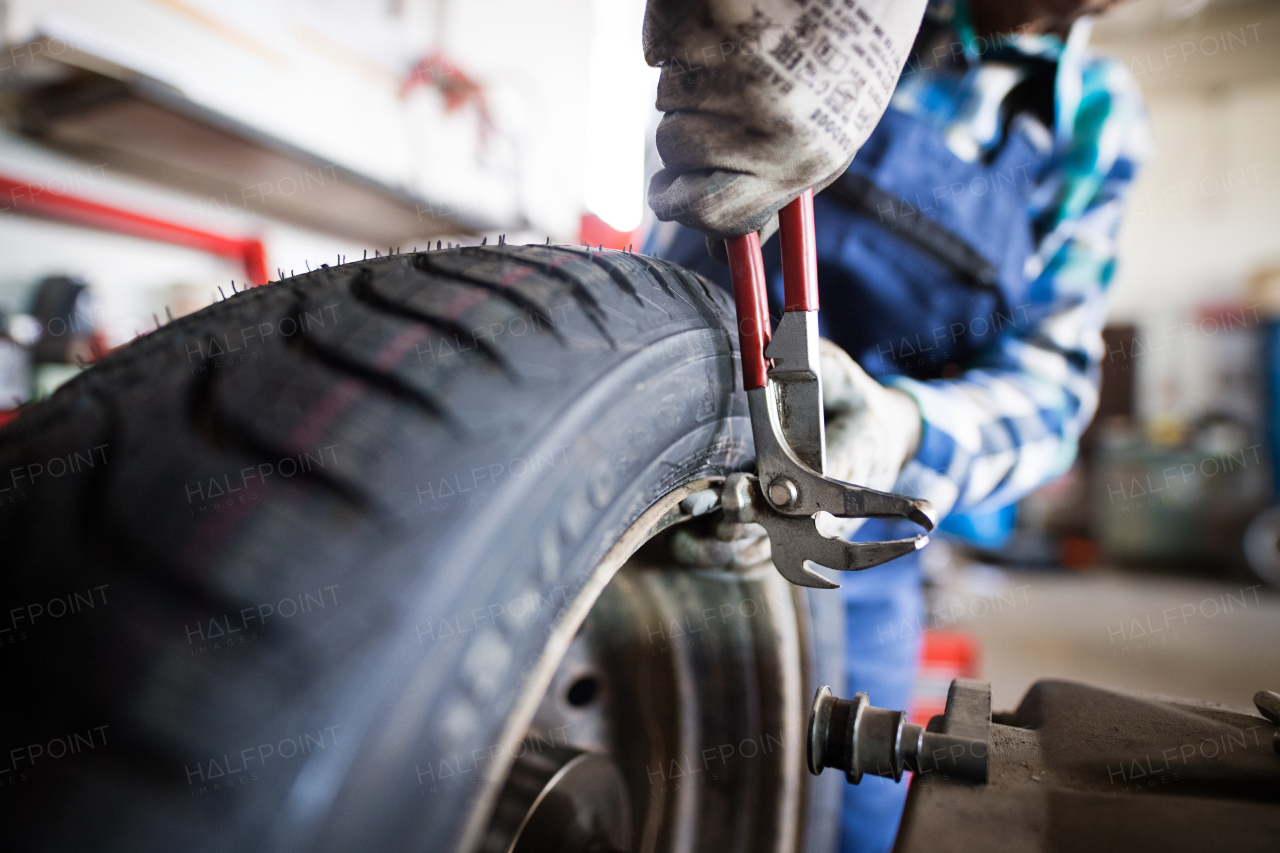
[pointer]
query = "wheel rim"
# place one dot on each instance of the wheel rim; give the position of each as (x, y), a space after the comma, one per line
(691, 683)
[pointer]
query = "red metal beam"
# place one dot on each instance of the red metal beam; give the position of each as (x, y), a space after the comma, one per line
(35, 200)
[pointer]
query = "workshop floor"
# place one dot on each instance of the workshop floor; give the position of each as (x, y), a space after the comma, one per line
(1168, 635)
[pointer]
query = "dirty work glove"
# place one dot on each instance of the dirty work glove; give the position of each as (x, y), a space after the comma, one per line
(713, 543)
(763, 98)
(871, 433)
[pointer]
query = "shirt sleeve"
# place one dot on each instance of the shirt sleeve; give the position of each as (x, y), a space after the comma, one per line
(1011, 420)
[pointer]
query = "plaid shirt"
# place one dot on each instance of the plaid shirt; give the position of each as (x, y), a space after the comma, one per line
(1011, 420)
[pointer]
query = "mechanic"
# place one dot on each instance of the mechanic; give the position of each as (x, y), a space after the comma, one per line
(963, 255)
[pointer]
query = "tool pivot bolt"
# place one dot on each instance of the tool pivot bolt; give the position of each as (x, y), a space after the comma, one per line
(782, 492)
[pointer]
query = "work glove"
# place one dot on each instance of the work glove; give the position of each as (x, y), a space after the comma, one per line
(713, 543)
(871, 433)
(764, 99)
(872, 430)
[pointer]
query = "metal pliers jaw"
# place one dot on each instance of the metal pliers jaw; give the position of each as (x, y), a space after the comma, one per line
(795, 541)
(785, 401)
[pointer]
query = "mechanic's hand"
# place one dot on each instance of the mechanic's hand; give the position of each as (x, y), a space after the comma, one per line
(713, 543)
(871, 430)
(763, 99)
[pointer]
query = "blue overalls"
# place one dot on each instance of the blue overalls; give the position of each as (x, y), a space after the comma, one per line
(921, 259)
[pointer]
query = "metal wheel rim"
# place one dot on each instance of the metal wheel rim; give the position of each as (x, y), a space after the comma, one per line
(770, 665)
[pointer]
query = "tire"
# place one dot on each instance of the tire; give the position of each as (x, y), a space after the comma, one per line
(265, 562)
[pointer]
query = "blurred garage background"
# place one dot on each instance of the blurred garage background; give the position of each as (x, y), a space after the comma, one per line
(157, 154)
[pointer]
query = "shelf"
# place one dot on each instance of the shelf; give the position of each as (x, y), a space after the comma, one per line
(93, 110)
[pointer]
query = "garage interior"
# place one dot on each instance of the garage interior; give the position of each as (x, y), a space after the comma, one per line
(159, 156)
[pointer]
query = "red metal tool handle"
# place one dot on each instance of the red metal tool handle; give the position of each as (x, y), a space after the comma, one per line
(750, 296)
(799, 254)
(750, 290)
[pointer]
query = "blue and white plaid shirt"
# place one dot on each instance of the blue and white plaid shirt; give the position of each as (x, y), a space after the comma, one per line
(1011, 420)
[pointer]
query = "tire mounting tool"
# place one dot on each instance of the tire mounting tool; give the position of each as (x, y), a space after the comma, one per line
(785, 400)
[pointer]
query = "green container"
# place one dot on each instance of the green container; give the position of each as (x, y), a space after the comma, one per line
(1175, 504)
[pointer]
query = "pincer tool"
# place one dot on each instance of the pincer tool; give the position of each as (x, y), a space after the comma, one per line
(784, 392)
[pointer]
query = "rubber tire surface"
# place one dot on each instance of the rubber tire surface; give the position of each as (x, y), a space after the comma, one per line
(344, 512)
